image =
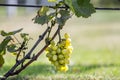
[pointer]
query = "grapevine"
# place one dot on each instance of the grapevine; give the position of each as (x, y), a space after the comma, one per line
(58, 52)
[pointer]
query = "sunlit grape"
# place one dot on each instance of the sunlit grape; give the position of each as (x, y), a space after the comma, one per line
(54, 57)
(53, 52)
(64, 68)
(66, 35)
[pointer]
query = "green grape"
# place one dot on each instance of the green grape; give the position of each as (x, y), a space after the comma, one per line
(64, 51)
(58, 50)
(48, 55)
(54, 47)
(67, 56)
(60, 56)
(48, 49)
(67, 61)
(54, 58)
(53, 52)
(62, 61)
(52, 43)
(56, 63)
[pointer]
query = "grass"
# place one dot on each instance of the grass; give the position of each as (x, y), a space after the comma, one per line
(96, 49)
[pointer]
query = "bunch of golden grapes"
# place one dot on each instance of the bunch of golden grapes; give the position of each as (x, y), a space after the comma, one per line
(59, 53)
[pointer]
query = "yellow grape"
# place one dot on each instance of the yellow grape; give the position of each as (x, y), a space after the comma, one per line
(54, 58)
(64, 68)
(66, 35)
(68, 42)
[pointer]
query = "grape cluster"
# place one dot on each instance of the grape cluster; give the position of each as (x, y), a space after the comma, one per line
(59, 53)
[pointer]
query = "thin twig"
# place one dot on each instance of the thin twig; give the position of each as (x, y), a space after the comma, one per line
(41, 37)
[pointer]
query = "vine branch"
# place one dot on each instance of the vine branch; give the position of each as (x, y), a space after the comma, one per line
(13, 70)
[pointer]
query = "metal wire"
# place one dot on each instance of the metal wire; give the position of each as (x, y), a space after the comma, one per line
(37, 6)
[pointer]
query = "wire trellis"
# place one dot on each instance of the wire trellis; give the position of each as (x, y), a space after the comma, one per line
(37, 6)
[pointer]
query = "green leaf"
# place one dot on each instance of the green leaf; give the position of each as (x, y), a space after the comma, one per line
(3, 52)
(3, 33)
(65, 15)
(41, 19)
(81, 7)
(1, 61)
(11, 48)
(4, 44)
(24, 36)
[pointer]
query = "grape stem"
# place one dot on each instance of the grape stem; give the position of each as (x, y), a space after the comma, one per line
(15, 69)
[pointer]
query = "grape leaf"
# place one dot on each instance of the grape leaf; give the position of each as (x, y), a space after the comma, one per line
(41, 19)
(65, 15)
(3, 33)
(11, 48)
(81, 7)
(3, 45)
(1, 61)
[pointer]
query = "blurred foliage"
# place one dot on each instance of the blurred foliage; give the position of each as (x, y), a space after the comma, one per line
(20, 1)
(2, 1)
(106, 3)
(100, 3)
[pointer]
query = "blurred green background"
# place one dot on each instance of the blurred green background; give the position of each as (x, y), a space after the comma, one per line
(96, 42)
